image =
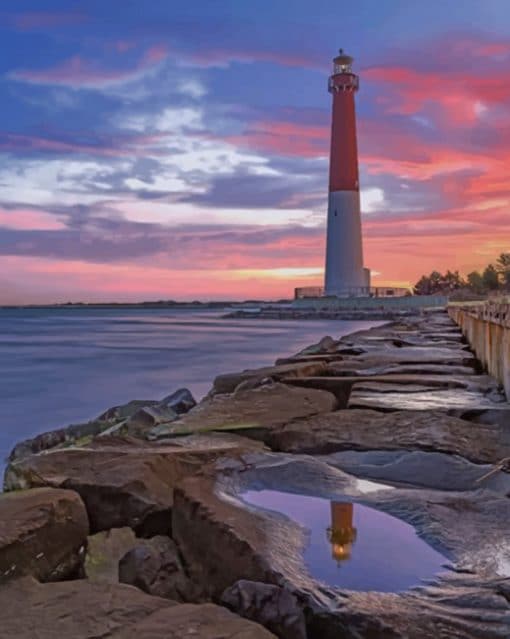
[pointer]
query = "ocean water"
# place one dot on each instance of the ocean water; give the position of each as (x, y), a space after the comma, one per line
(353, 546)
(67, 365)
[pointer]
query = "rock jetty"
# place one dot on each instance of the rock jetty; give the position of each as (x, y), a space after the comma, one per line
(134, 525)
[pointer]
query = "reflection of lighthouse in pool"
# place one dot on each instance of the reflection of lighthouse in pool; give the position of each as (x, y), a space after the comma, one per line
(342, 533)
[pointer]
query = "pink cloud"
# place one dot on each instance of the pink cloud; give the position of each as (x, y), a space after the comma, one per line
(155, 54)
(79, 73)
(474, 47)
(460, 95)
(29, 220)
(285, 138)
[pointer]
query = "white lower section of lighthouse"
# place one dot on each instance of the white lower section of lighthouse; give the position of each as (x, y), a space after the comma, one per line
(345, 275)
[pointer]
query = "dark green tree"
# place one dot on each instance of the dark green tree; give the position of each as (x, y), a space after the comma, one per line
(452, 281)
(475, 282)
(436, 283)
(426, 284)
(490, 278)
(503, 268)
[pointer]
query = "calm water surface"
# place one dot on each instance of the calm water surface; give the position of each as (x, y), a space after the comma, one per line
(353, 546)
(62, 366)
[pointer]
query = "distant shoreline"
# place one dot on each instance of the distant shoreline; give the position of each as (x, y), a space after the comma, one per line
(150, 305)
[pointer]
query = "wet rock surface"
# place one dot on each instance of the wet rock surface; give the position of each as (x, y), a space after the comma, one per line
(258, 408)
(417, 468)
(155, 566)
(469, 527)
(42, 533)
(391, 398)
(227, 383)
(368, 429)
(405, 404)
(86, 610)
(123, 484)
(273, 607)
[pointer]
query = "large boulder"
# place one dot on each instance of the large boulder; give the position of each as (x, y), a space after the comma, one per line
(181, 401)
(140, 421)
(400, 430)
(120, 484)
(124, 411)
(73, 434)
(87, 610)
(325, 345)
(260, 408)
(78, 434)
(43, 533)
(155, 566)
(273, 607)
(228, 382)
(104, 551)
(146, 418)
(110, 421)
(219, 542)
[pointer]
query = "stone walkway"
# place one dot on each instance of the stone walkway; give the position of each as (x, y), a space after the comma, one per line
(405, 405)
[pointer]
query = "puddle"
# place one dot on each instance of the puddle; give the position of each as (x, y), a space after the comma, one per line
(355, 547)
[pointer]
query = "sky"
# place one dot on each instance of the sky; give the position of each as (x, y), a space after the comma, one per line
(179, 150)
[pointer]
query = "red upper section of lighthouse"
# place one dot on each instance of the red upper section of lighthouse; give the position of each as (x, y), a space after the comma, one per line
(343, 168)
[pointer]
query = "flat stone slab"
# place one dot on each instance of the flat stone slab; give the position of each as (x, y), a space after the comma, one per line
(303, 359)
(420, 468)
(391, 399)
(262, 407)
(264, 546)
(43, 532)
(341, 386)
(352, 367)
(121, 484)
(364, 429)
(228, 382)
(420, 355)
(86, 610)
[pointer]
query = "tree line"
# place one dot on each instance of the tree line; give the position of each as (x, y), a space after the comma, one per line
(495, 277)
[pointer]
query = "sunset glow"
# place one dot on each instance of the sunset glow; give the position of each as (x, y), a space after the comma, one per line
(183, 154)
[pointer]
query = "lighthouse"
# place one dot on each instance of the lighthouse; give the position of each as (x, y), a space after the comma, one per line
(345, 275)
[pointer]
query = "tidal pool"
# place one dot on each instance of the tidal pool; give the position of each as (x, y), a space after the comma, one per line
(352, 546)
